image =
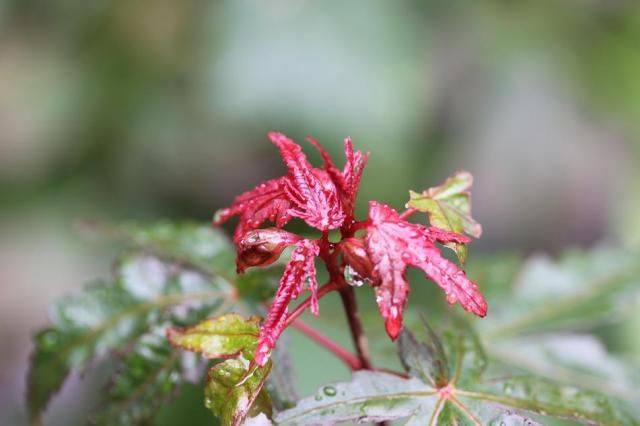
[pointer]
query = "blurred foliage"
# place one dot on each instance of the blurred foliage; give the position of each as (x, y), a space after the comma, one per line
(536, 352)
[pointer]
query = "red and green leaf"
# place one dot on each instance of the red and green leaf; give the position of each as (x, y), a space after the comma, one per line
(449, 207)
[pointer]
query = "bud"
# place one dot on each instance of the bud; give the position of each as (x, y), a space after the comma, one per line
(355, 254)
(262, 247)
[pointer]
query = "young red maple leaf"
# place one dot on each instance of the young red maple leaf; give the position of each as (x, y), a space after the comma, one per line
(348, 180)
(267, 201)
(311, 191)
(393, 244)
(299, 271)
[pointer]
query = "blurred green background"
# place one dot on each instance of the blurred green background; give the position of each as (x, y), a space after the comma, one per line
(159, 109)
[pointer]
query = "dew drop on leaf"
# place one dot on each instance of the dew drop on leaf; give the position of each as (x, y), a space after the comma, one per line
(329, 390)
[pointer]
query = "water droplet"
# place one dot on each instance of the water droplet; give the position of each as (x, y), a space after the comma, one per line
(508, 388)
(329, 390)
(352, 277)
(318, 397)
(451, 298)
(208, 402)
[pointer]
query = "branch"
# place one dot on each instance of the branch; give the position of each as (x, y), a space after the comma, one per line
(326, 288)
(347, 357)
(355, 326)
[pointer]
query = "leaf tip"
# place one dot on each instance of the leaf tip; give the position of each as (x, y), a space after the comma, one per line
(393, 326)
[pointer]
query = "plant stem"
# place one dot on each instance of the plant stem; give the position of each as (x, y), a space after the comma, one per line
(355, 326)
(328, 287)
(408, 213)
(347, 357)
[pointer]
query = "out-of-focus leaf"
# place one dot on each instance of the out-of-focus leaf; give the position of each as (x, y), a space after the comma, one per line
(465, 354)
(198, 245)
(368, 397)
(220, 337)
(149, 375)
(462, 400)
(233, 390)
(550, 399)
(580, 290)
(576, 359)
(109, 315)
(449, 207)
(424, 359)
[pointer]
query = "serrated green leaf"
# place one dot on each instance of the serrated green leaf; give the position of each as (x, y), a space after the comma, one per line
(234, 390)
(550, 399)
(449, 207)
(368, 397)
(465, 353)
(112, 314)
(424, 359)
(464, 400)
(220, 337)
(148, 376)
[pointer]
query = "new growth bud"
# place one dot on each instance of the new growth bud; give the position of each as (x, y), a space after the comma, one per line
(355, 255)
(262, 247)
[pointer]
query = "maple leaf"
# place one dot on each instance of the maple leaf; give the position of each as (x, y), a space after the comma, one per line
(267, 201)
(311, 191)
(393, 244)
(449, 207)
(348, 180)
(299, 271)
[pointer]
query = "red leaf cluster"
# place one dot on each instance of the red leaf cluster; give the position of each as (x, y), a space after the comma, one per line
(325, 199)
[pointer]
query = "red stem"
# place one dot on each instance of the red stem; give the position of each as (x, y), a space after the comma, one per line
(408, 213)
(347, 357)
(328, 287)
(355, 326)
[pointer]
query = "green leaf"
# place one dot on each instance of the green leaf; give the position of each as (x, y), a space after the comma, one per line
(234, 386)
(579, 291)
(196, 244)
(576, 359)
(449, 207)
(220, 337)
(234, 390)
(112, 314)
(464, 400)
(425, 359)
(466, 355)
(368, 397)
(550, 399)
(149, 375)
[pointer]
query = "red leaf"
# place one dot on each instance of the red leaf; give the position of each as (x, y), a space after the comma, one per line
(267, 201)
(311, 191)
(348, 180)
(393, 244)
(299, 271)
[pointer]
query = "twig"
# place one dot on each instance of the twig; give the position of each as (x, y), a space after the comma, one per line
(347, 357)
(355, 326)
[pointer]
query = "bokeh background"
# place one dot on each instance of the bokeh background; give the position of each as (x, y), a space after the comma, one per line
(159, 109)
